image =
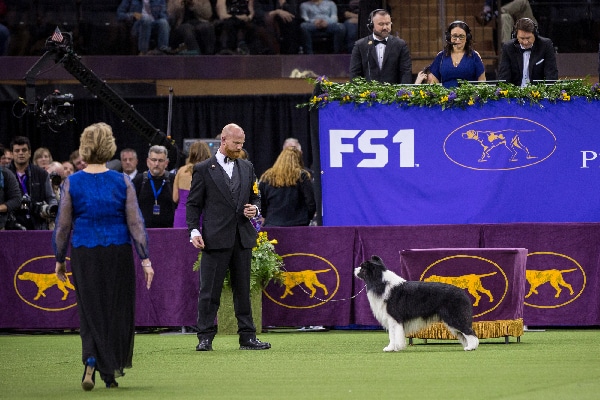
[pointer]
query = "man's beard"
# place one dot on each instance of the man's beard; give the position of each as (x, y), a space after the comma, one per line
(233, 154)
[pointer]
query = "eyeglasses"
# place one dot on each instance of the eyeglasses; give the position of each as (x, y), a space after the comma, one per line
(158, 160)
(20, 150)
(459, 37)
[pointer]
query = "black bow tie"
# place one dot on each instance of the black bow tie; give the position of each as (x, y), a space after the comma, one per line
(227, 160)
(525, 50)
(376, 42)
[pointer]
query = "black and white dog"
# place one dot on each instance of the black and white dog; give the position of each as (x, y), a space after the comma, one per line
(404, 307)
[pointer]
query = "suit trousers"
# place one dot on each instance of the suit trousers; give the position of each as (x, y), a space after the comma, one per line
(213, 269)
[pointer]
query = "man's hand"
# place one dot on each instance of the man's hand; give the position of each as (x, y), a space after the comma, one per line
(198, 242)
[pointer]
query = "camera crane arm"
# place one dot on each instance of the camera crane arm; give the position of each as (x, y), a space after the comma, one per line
(63, 54)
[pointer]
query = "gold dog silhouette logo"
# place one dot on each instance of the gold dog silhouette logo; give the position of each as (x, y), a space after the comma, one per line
(308, 281)
(37, 285)
(501, 143)
(490, 279)
(554, 280)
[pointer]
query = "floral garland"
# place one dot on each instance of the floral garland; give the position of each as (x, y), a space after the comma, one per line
(359, 91)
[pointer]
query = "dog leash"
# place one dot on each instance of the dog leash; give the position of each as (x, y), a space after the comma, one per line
(330, 300)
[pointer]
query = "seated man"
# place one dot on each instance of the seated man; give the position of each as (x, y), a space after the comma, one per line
(235, 26)
(192, 26)
(281, 24)
(510, 12)
(528, 57)
(148, 16)
(320, 16)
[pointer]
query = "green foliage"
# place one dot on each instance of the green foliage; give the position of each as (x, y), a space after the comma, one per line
(266, 264)
(358, 91)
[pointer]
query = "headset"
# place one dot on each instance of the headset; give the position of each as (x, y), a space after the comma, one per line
(461, 24)
(524, 23)
(370, 25)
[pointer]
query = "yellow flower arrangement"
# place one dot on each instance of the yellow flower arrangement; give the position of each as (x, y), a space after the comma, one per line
(359, 91)
(266, 264)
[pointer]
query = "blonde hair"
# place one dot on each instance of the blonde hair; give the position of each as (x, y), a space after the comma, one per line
(39, 153)
(97, 144)
(199, 151)
(287, 169)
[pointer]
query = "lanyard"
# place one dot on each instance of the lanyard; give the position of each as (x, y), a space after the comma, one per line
(156, 193)
(23, 182)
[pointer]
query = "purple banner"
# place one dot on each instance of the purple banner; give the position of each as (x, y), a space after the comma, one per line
(562, 285)
(493, 278)
(33, 298)
(563, 271)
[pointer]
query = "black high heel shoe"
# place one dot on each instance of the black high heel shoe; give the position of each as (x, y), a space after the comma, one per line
(111, 382)
(88, 381)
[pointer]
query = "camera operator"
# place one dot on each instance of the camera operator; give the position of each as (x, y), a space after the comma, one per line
(10, 195)
(235, 17)
(38, 203)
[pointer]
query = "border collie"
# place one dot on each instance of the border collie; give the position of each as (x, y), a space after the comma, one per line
(405, 307)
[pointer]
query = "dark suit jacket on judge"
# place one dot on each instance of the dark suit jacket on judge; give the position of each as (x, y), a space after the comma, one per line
(397, 65)
(542, 62)
(221, 215)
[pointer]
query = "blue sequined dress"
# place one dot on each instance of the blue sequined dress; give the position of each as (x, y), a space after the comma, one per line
(99, 214)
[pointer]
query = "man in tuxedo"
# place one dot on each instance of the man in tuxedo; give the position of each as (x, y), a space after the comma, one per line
(528, 57)
(224, 191)
(380, 56)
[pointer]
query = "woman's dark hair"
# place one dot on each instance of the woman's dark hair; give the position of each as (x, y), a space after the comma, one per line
(469, 38)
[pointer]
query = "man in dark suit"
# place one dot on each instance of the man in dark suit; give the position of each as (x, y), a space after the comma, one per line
(528, 57)
(225, 193)
(379, 56)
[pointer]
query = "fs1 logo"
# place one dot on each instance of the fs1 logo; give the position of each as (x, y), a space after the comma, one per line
(371, 145)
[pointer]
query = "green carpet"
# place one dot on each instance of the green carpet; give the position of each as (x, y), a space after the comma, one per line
(555, 364)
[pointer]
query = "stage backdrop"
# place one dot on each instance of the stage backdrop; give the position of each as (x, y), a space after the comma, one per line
(501, 162)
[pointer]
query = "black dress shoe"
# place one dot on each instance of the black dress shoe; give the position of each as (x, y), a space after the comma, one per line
(204, 345)
(255, 344)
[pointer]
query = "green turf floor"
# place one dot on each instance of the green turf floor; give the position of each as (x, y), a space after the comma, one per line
(553, 364)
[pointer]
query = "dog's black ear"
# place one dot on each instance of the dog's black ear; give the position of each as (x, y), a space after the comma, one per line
(377, 259)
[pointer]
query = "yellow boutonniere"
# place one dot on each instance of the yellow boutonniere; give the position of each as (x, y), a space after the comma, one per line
(255, 188)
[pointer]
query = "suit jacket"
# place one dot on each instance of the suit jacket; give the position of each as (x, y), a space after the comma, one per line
(221, 216)
(542, 61)
(396, 67)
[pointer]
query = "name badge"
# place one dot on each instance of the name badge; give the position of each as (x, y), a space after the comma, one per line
(156, 209)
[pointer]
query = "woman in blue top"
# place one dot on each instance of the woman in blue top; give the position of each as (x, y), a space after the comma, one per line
(99, 212)
(458, 60)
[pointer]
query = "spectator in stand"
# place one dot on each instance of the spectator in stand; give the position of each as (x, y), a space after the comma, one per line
(77, 161)
(199, 151)
(154, 190)
(351, 24)
(6, 156)
(510, 13)
(42, 157)
(282, 24)
(129, 162)
(235, 23)
(192, 26)
(286, 190)
(148, 16)
(39, 203)
(4, 34)
(320, 17)
(69, 168)
(10, 195)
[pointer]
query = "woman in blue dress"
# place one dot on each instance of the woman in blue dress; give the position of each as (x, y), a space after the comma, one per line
(458, 60)
(99, 215)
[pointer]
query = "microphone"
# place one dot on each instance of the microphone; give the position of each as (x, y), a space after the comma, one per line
(369, 44)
